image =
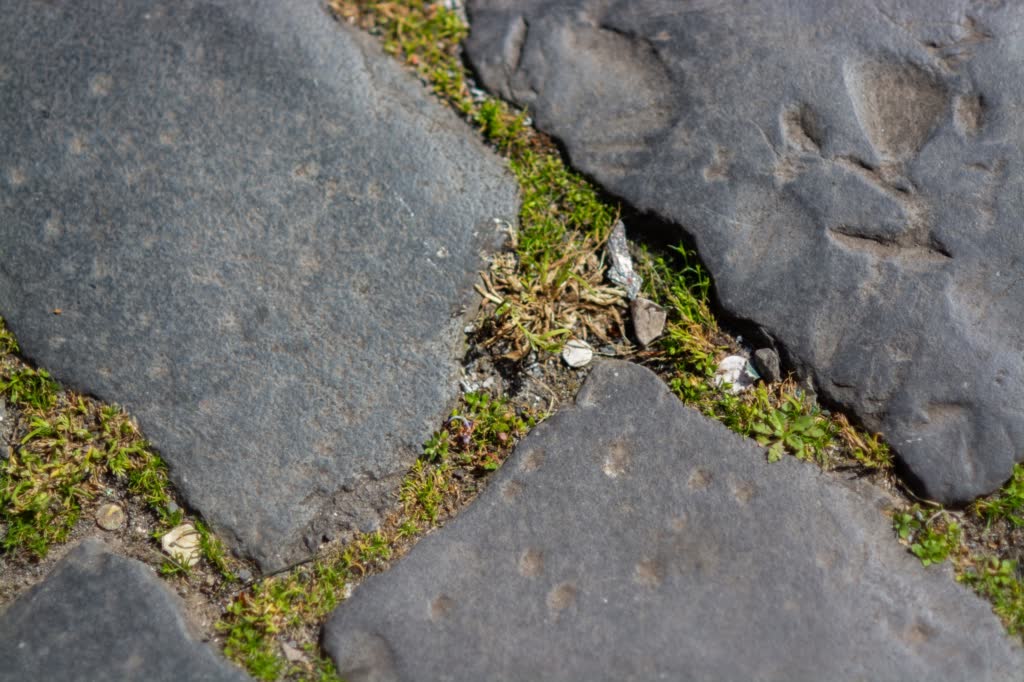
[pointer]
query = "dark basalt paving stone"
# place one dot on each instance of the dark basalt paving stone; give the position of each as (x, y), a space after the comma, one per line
(261, 233)
(99, 616)
(631, 538)
(850, 173)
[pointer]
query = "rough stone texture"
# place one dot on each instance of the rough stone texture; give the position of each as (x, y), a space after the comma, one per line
(766, 362)
(99, 616)
(631, 538)
(849, 172)
(648, 320)
(260, 231)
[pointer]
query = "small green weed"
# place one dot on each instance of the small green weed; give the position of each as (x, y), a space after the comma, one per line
(1007, 504)
(868, 450)
(932, 539)
(934, 545)
(794, 426)
(213, 550)
(476, 435)
(999, 581)
(424, 490)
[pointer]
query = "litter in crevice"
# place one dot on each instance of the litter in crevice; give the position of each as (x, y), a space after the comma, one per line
(736, 371)
(621, 271)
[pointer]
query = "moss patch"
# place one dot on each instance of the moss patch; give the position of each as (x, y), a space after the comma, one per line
(69, 450)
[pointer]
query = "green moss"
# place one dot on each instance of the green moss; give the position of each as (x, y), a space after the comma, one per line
(8, 344)
(30, 388)
(70, 451)
(558, 208)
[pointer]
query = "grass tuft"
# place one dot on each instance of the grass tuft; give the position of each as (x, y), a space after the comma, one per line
(1006, 505)
(551, 287)
(8, 344)
(30, 388)
(999, 581)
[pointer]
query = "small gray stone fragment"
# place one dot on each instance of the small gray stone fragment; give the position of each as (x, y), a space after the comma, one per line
(766, 362)
(292, 654)
(630, 538)
(98, 616)
(621, 270)
(648, 320)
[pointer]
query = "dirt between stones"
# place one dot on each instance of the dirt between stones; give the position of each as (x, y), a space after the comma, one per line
(542, 385)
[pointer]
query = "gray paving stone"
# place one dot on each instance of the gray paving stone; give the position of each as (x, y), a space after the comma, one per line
(850, 173)
(631, 538)
(100, 617)
(261, 233)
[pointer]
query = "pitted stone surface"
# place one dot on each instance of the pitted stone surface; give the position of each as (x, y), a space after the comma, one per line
(849, 172)
(260, 233)
(99, 616)
(631, 538)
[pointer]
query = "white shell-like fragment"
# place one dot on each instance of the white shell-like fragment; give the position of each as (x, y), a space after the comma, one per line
(577, 353)
(182, 543)
(736, 371)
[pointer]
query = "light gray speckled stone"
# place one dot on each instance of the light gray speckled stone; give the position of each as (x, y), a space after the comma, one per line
(631, 538)
(261, 232)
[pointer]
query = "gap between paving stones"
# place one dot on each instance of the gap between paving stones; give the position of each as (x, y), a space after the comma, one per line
(549, 286)
(427, 37)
